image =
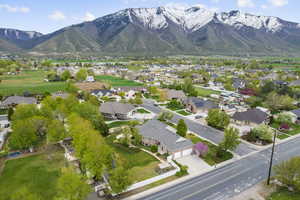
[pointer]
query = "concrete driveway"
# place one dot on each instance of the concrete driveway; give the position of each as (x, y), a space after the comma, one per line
(195, 164)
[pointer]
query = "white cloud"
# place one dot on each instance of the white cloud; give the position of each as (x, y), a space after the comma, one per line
(14, 9)
(278, 3)
(264, 6)
(88, 17)
(57, 16)
(245, 3)
(215, 1)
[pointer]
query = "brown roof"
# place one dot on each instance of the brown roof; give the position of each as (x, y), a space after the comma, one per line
(91, 86)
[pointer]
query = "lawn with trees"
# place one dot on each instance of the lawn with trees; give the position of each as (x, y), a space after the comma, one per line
(38, 174)
(211, 157)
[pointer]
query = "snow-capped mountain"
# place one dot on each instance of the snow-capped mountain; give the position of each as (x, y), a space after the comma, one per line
(14, 34)
(193, 30)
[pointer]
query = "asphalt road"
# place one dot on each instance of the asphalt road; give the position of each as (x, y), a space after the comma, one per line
(206, 132)
(230, 180)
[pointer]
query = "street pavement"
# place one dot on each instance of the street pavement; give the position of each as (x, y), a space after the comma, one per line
(231, 179)
(205, 132)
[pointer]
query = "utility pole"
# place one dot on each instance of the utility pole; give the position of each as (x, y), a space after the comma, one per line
(271, 161)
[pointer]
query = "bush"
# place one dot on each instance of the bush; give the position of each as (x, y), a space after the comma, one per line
(183, 170)
(154, 148)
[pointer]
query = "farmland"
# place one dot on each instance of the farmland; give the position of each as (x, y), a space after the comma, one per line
(28, 81)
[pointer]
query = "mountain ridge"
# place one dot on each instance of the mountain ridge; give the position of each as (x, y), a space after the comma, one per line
(166, 30)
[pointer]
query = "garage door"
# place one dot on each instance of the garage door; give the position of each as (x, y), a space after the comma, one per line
(177, 155)
(187, 152)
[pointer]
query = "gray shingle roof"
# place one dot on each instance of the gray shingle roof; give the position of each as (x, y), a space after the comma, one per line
(175, 94)
(116, 108)
(18, 100)
(253, 115)
(296, 112)
(201, 103)
(157, 130)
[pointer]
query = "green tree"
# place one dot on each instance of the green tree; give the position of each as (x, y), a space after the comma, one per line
(24, 111)
(182, 128)
(231, 139)
(56, 131)
(262, 132)
(66, 75)
(284, 118)
(81, 75)
(279, 102)
(165, 116)
(72, 186)
(119, 179)
(218, 119)
(288, 173)
(90, 112)
(24, 194)
(24, 135)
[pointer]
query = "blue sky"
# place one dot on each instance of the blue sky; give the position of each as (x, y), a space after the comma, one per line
(49, 15)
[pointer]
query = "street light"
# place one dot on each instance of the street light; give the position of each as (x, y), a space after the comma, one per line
(271, 161)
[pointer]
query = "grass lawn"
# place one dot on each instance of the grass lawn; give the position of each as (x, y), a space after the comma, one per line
(118, 124)
(210, 157)
(283, 136)
(31, 81)
(284, 194)
(116, 81)
(206, 92)
(184, 113)
(294, 129)
(38, 173)
(142, 111)
(142, 165)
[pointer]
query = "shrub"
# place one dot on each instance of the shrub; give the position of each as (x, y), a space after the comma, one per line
(154, 148)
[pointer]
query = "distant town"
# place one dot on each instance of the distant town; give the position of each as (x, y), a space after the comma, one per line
(178, 127)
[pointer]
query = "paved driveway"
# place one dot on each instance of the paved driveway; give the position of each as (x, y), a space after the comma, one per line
(195, 165)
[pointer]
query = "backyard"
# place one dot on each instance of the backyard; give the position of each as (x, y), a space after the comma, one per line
(210, 157)
(38, 173)
(28, 81)
(206, 92)
(119, 123)
(141, 164)
(116, 81)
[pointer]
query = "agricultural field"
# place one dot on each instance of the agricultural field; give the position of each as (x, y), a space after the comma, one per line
(28, 81)
(38, 173)
(116, 81)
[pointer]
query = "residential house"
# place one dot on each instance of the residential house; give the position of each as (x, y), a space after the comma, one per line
(157, 133)
(251, 117)
(16, 100)
(130, 92)
(116, 110)
(102, 93)
(175, 94)
(4, 122)
(196, 105)
(238, 83)
(296, 114)
(62, 95)
(90, 79)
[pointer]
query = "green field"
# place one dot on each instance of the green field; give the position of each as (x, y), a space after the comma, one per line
(28, 81)
(206, 92)
(142, 165)
(37, 173)
(116, 81)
